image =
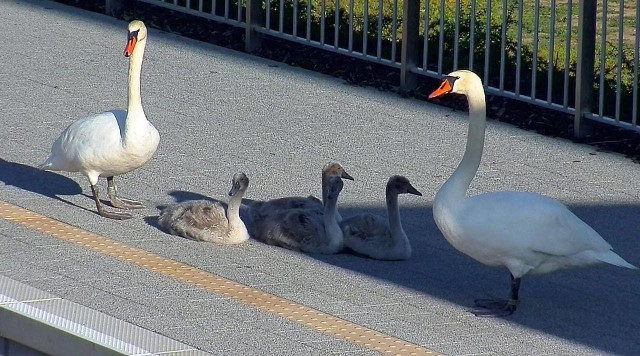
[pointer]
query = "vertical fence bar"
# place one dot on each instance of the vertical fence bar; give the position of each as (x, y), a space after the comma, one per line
(519, 46)
(636, 72)
(503, 40)
(379, 49)
(111, 6)
(534, 63)
(603, 57)
(365, 28)
(280, 16)
(309, 20)
(619, 68)
(487, 44)
(323, 10)
(252, 38)
(200, 5)
(294, 31)
(585, 66)
(239, 10)
(552, 45)
(425, 54)
(226, 9)
(441, 37)
(567, 55)
(336, 29)
(472, 34)
(456, 34)
(394, 31)
(351, 25)
(409, 56)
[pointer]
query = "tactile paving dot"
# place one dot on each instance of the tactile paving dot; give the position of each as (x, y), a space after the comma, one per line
(312, 318)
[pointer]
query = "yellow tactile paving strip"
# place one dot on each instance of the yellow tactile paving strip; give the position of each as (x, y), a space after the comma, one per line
(314, 319)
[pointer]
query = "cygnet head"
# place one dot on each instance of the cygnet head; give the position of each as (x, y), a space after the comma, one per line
(460, 82)
(333, 187)
(240, 182)
(334, 169)
(401, 185)
(137, 33)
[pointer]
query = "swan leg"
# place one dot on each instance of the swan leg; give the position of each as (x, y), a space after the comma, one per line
(119, 202)
(117, 215)
(498, 307)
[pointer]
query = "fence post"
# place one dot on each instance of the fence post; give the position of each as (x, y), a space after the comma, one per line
(585, 67)
(113, 6)
(409, 55)
(252, 38)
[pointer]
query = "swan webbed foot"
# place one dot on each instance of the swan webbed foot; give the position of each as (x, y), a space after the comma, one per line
(116, 215)
(119, 202)
(494, 308)
(124, 203)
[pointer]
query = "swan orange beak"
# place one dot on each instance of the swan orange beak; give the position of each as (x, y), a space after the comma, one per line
(444, 88)
(130, 45)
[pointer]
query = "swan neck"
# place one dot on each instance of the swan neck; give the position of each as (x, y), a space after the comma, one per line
(233, 210)
(457, 185)
(393, 212)
(330, 208)
(135, 68)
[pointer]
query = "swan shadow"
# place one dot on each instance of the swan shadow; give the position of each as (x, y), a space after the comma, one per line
(570, 304)
(38, 181)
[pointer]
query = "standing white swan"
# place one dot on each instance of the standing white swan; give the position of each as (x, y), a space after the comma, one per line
(209, 221)
(111, 143)
(524, 232)
(376, 237)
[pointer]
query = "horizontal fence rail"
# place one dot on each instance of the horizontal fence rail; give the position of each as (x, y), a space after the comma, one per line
(575, 57)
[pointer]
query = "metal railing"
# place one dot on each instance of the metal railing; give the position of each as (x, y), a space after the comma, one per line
(576, 57)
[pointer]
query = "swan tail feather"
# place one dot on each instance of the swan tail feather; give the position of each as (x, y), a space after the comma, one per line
(614, 259)
(46, 165)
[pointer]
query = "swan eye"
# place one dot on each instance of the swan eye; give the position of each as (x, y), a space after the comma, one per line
(133, 34)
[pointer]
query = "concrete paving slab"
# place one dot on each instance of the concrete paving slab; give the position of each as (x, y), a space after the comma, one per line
(220, 112)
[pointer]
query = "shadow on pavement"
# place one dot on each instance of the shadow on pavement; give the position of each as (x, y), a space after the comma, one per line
(593, 306)
(35, 180)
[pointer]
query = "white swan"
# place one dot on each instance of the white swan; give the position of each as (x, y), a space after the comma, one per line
(259, 208)
(111, 143)
(524, 232)
(372, 235)
(209, 221)
(305, 230)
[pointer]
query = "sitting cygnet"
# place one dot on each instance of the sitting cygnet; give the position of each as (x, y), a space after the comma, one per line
(305, 230)
(372, 235)
(209, 221)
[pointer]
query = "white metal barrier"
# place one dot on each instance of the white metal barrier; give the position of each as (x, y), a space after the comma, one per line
(577, 57)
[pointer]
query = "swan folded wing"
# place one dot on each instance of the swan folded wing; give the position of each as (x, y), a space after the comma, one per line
(288, 203)
(260, 210)
(197, 220)
(365, 228)
(298, 229)
(528, 222)
(90, 143)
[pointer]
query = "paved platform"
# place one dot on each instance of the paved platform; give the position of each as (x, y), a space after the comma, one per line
(220, 112)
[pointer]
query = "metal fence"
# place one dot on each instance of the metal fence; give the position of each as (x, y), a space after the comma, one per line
(577, 57)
